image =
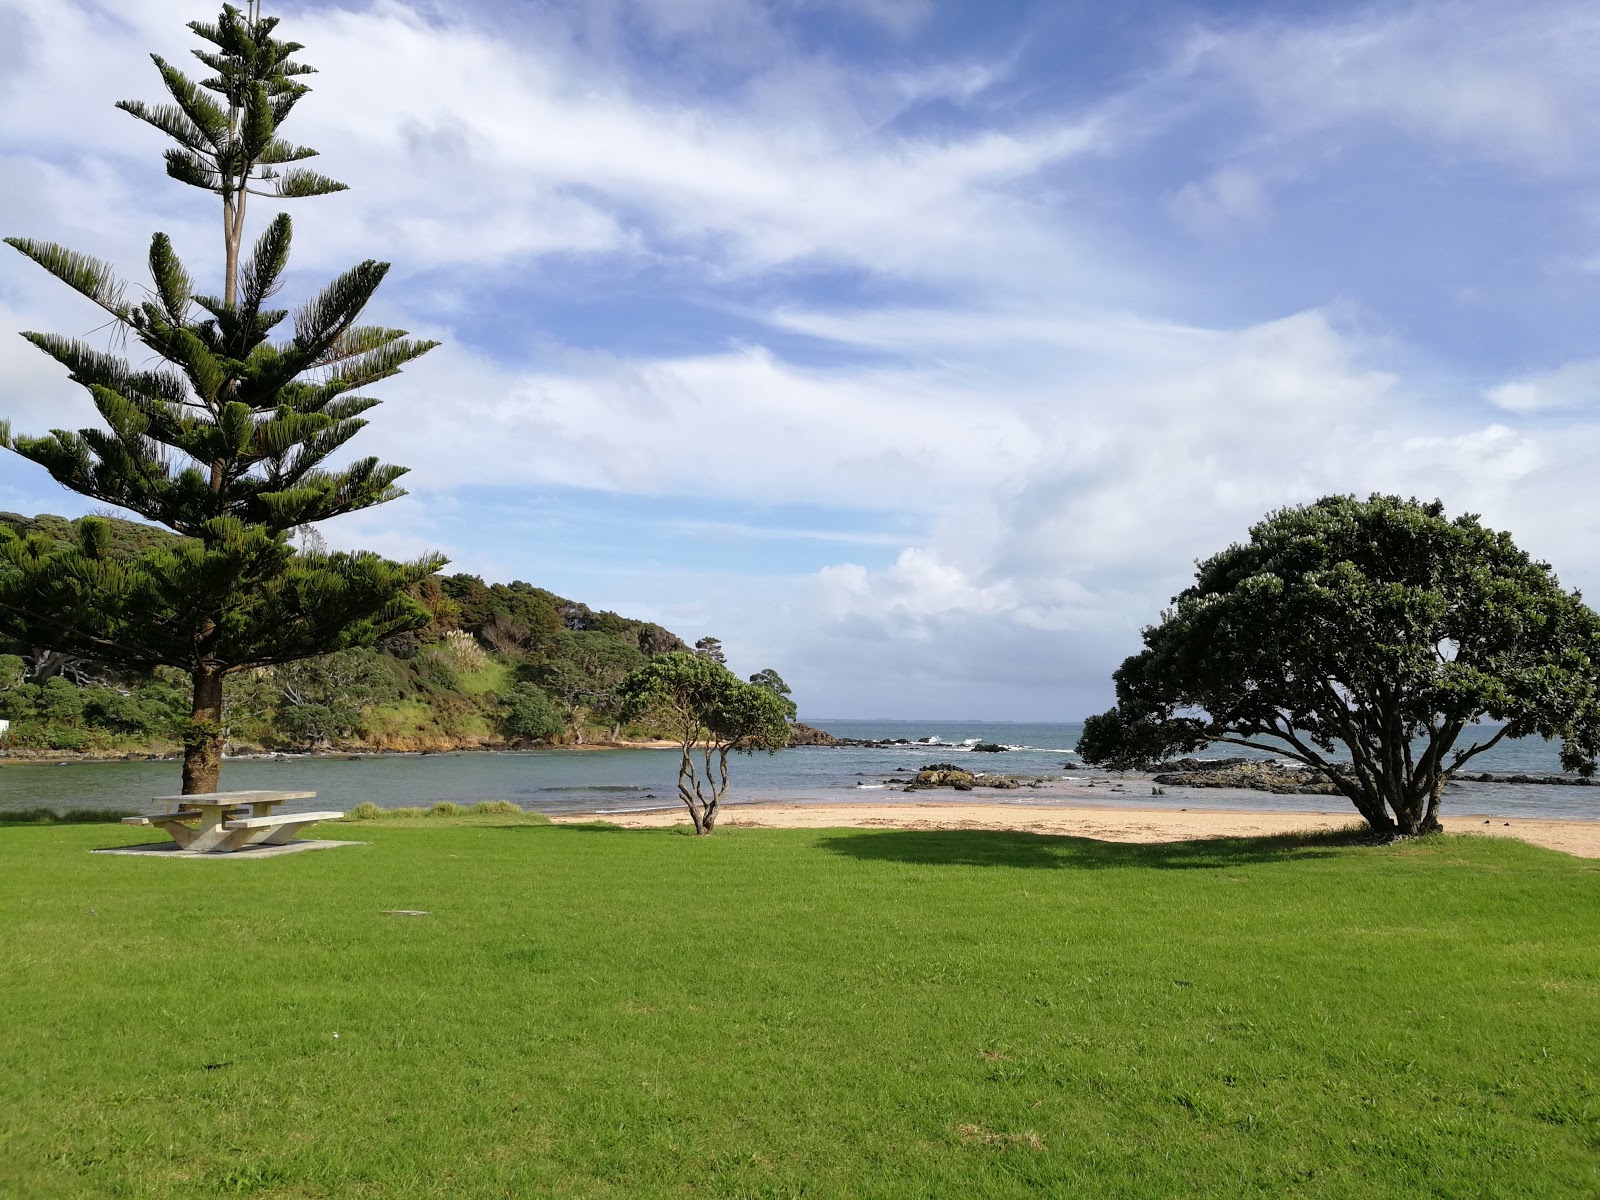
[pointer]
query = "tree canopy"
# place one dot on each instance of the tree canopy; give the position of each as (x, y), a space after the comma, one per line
(708, 708)
(222, 434)
(1376, 641)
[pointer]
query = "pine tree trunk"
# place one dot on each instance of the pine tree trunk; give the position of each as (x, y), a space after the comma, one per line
(202, 750)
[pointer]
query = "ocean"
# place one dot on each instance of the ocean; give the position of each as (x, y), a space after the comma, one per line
(558, 781)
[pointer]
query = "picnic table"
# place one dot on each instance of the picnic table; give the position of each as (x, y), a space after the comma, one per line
(223, 824)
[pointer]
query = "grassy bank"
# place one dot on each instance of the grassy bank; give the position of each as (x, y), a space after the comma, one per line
(590, 1012)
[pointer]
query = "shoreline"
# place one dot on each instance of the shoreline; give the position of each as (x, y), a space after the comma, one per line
(48, 758)
(1109, 823)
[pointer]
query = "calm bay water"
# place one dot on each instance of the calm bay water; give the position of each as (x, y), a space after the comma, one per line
(557, 781)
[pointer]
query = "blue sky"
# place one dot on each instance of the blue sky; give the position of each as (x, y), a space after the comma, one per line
(915, 348)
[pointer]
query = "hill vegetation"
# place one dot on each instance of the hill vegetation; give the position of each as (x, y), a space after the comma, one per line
(497, 664)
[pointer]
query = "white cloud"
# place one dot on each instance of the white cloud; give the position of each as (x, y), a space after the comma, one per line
(1071, 451)
(1227, 196)
(1509, 83)
(468, 149)
(1574, 385)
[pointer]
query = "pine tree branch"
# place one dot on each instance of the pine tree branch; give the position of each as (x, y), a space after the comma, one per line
(88, 276)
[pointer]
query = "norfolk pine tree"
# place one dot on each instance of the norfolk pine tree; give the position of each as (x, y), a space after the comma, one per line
(225, 439)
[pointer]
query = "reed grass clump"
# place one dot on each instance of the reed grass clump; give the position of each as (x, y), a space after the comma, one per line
(447, 808)
(497, 808)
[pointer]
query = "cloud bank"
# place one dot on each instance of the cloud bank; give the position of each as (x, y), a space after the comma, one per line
(1030, 356)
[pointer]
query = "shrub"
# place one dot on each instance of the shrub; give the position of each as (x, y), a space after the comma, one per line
(366, 811)
(93, 816)
(446, 808)
(529, 714)
(29, 816)
(73, 816)
(496, 808)
(66, 737)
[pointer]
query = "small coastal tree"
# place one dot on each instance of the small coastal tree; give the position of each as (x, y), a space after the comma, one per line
(710, 710)
(225, 438)
(1376, 641)
(710, 647)
(773, 682)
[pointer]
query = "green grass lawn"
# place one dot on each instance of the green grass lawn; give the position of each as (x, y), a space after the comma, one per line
(591, 1012)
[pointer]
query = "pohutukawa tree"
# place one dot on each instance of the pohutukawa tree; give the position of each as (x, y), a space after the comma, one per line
(1375, 641)
(222, 434)
(711, 712)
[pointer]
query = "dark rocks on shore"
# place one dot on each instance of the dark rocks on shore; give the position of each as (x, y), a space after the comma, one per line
(937, 775)
(1242, 773)
(806, 735)
(1560, 780)
(943, 775)
(1270, 777)
(990, 748)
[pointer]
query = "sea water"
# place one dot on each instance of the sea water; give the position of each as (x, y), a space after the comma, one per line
(558, 781)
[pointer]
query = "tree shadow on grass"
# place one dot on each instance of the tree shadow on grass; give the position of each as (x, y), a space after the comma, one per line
(563, 826)
(1005, 848)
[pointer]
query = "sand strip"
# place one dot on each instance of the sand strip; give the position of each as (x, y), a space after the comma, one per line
(1580, 838)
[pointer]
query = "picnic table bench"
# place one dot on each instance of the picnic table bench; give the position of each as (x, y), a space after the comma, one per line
(223, 824)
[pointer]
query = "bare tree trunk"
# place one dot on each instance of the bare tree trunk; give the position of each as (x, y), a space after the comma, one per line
(703, 815)
(202, 749)
(1370, 806)
(231, 229)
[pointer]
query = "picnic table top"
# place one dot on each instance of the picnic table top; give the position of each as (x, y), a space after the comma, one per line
(257, 797)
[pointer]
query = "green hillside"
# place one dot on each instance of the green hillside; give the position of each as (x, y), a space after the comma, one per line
(500, 664)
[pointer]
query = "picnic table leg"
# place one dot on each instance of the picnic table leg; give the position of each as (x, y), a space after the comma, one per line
(184, 835)
(283, 834)
(211, 837)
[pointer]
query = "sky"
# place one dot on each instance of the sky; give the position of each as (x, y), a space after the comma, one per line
(914, 348)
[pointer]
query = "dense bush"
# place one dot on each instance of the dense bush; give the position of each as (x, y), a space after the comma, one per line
(509, 661)
(529, 715)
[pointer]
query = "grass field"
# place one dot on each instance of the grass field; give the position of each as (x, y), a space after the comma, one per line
(590, 1012)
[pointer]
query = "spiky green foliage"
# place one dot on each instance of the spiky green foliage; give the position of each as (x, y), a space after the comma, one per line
(225, 436)
(226, 147)
(252, 420)
(267, 603)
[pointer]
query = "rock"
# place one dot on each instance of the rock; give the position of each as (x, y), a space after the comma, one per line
(1245, 773)
(990, 748)
(805, 735)
(943, 775)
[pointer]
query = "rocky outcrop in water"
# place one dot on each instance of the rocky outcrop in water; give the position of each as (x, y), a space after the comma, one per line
(1559, 780)
(806, 735)
(938, 775)
(1242, 773)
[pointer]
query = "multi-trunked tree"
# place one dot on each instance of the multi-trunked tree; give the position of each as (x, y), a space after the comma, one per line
(227, 440)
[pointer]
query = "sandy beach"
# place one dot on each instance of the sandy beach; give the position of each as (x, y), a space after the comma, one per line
(1579, 838)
